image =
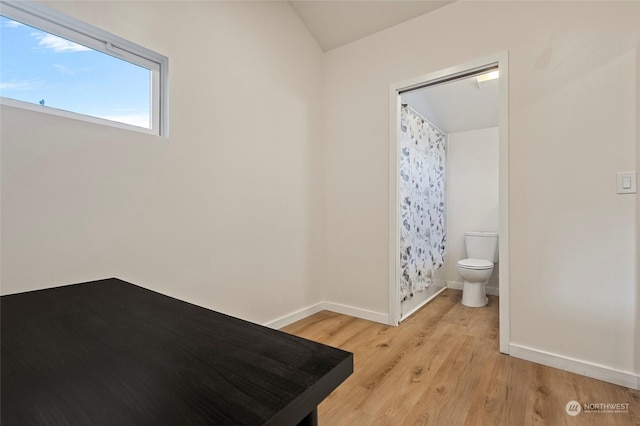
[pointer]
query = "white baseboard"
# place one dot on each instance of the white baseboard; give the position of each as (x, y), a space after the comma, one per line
(421, 304)
(584, 368)
(459, 286)
(357, 312)
(327, 306)
(455, 285)
(295, 316)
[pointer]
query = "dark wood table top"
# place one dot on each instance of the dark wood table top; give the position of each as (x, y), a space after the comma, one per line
(111, 353)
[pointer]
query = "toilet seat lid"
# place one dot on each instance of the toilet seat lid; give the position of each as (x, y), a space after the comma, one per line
(472, 263)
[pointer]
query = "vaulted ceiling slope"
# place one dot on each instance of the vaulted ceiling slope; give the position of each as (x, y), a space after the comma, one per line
(335, 22)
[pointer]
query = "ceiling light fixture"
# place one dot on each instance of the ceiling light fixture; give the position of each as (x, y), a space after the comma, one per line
(484, 79)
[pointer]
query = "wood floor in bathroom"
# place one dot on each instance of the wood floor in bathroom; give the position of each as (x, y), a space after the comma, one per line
(442, 367)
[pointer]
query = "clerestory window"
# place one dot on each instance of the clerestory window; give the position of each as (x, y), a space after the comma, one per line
(56, 64)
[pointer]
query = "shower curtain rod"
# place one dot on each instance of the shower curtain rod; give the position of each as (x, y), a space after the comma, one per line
(406, 105)
(450, 78)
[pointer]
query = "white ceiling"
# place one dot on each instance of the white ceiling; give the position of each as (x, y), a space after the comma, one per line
(458, 106)
(454, 107)
(334, 23)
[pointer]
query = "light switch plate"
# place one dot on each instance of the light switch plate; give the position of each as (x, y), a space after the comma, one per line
(626, 182)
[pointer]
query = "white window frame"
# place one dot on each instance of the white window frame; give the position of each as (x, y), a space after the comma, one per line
(72, 29)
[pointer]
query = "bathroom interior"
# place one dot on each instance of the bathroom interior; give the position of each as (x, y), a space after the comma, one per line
(449, 191)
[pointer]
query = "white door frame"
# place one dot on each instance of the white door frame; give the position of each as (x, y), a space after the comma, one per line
(501, 60)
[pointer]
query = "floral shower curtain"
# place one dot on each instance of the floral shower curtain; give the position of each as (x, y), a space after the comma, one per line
(422, 202)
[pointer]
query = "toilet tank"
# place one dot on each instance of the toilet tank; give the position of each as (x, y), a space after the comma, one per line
(482, 245)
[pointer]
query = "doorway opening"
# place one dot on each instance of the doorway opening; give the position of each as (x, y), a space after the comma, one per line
(434, 107)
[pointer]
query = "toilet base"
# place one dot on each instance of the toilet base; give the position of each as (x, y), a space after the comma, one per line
(474, 295)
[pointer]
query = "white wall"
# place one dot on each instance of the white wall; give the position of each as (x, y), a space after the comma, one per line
(472, 193)
(226, 212)
(573, 80)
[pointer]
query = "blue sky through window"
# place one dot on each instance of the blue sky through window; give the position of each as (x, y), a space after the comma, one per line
(36, 66)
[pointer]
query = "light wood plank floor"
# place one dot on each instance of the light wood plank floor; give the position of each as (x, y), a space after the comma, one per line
(442, 367)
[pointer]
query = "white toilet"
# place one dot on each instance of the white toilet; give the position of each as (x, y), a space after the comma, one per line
(482, 252)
